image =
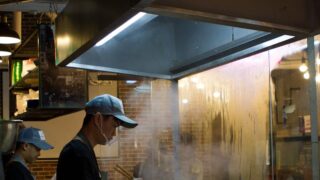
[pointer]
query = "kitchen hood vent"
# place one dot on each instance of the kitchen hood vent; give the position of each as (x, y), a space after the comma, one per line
(148, 38)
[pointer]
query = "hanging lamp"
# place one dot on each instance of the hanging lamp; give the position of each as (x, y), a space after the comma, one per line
(7, 35)
(4, 50)
(303, 67)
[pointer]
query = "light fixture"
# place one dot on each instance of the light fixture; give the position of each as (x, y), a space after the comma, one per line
(306, 75)
(318, 60)
(7, 35)
(121, 28)
(131, 81)
(318, 78)
(277, 40)
(185, 101)
(318, 56)
(4, 50)
(303, 67)
(216, 94)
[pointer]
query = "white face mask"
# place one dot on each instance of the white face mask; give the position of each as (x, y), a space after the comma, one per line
(111, 141)
(107, 141)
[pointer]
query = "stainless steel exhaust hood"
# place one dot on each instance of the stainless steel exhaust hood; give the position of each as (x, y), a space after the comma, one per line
(165, 39)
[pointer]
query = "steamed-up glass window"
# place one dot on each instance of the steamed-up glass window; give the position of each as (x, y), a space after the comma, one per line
(226, 109)
(250, 119)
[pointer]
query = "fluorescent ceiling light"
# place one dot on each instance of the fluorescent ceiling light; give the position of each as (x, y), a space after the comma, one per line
(131, 81)
(277, 40)
(121, 28)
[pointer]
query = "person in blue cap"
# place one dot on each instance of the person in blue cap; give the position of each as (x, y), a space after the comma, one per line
(29, 144)
(77, 160)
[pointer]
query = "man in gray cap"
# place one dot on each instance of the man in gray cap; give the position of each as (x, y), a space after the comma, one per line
(77, 160)
(29, 144)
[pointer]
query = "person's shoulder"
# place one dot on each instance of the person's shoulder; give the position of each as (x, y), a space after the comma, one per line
(13, 165)
(16, 170)
(74, 147)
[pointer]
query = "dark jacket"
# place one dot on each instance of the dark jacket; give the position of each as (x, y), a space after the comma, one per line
(78, 161)
(17, 171)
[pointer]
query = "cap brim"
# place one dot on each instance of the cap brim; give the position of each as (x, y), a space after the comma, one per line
(126, 122)
(42, 145)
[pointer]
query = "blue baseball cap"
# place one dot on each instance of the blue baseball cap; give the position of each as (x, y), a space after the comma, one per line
(34, 136)
(109, 105)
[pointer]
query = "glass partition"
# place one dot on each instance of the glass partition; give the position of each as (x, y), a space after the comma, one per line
(226, 111)
(252, 116)
(291, 110)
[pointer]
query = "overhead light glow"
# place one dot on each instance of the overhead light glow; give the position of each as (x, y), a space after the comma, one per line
(121, 28)
(63, 41)
(194, 80)
(306, 75)
(5, 53)
(318, 78)
(181, 85)
(303, 67)
(277, 40)
(185, 101)
(9, 40)
(200, 86)
(131, 81)
(216, 94)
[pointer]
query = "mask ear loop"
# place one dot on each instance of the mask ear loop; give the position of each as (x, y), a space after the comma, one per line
(114, 138)
(111, 141)
(101, 125)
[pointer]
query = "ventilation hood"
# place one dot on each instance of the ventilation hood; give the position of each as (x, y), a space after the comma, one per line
(171, 38)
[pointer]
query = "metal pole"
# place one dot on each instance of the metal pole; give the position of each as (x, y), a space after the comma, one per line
(1, 168)
(5, 95)
(313, 108)
(17, 24)
(271, 149)
(176, 129)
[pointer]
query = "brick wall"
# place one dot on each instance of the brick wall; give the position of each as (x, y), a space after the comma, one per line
(132, 141)
(30, 22)
(43, 169)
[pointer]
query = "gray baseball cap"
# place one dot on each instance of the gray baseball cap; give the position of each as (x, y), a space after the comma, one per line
(34, 136)
(109, 105)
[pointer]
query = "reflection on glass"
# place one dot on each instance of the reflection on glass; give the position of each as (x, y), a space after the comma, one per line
(292, 125)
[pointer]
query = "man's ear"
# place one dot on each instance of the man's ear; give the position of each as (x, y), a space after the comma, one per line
(97, 118)
(25, 146)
